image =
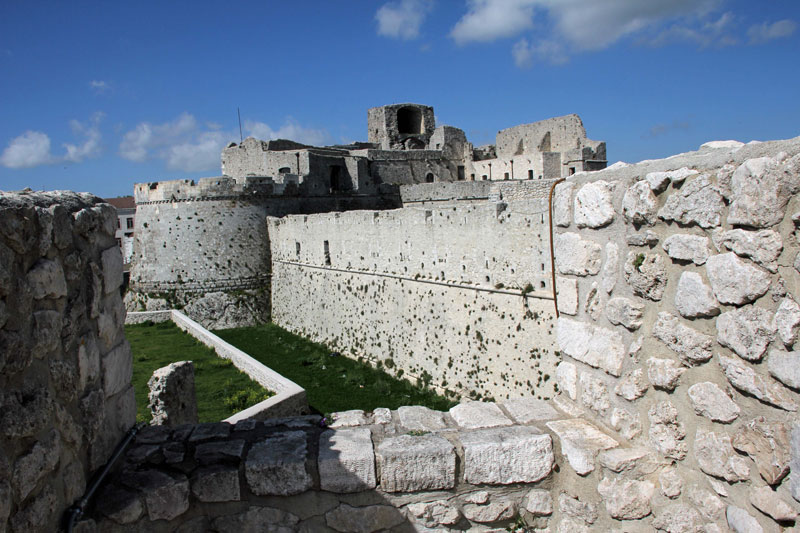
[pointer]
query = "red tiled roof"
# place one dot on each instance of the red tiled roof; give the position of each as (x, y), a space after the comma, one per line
(122, 202)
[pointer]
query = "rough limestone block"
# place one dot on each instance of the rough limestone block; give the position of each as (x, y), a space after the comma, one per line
(381, 415)
(734, 281)
(166, 497)
(765, 500)
(794, 481)
(528, 410)
(577, 256)
(419, 418)
(787, 321)
(658, 181)
(492, 512)
(257, 518)
(646, 273)
(277, 465)
(538, 502)
(768, 445)
(46, 280)
(172, 396)
(476, 415)
(216, 484)
(716, 457)
(698, 202)
(432, 514)
(632, 385)
(562, 204)
(593, 205)
(46, 334)
(120, 505)
(39, 462)
(594, 393)
(785, 367)
(687, 247)
(596, 346)
(567, 379)
(677, 517)
(760, 191)
(740, 521)
(763, 247)
(353, 417)
(581, 442)
(666, 431)
(346, 460)
(36, 512)
(692, 346)
(626, 499)
(610, 267)
(567, 291)
(585, 511)
(625, 312)
(710, 401)
(747, 331)
(500, 456)
(226, 451)
(410, 463)
(670, 482)
(694, 298)
(639, 204)
(117, 369)
(626, 422)
(636, 461)
(111, 260)
(363, 519)
(744, 378)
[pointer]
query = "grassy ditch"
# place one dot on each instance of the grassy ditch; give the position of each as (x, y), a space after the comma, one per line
(332, 383)
(221, 389)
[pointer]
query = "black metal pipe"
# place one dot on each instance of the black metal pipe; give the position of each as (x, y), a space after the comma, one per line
(74, 513)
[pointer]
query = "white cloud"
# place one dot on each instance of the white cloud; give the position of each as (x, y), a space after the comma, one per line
(526, 54)
(184, 144)
(30, 149)
(402, 20)
(488, 20)
(761, 33)
(717, 33)
(91, 146)
(99, 86)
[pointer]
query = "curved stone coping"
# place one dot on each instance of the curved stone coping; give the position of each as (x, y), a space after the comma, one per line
(290, 398)
(217, 284)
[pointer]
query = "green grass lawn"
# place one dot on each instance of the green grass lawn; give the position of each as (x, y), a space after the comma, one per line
(332, 383)
(221, 389)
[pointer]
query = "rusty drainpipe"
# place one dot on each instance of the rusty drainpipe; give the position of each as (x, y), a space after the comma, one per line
(552, 248)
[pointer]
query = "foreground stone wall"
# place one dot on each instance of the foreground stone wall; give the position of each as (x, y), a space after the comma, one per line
(65, 367)
(678, 288)
(456, 296)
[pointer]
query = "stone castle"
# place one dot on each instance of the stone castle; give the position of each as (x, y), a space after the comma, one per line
(662, 344)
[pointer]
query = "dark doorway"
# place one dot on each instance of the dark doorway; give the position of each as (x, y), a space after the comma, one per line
(409, 120)
(460, 173)
(429, 178)
(336, 178)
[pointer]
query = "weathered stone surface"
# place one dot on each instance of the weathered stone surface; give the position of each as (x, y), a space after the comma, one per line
(343, 419)
(346, 460)
(64, 377)
(226, 451)
(632, 385)
(639, 204)
(46, 333)
(527, 410)
(172, 394)
(709, 505)
(710, 401)
(88, 361)
(120, 505)
(642, 238)
(433, 514)
(216, 484)
(577, 256)
(625, 312)
(677, 518)
(25, 412)
(257, 519)
(646, 273)
(626, 422)
(593, 205)
(747, 331)
(40, 461)
(761, 188)
(630, 461)
(538, 502)
(592, 306)
(111, 259)
(716, 457)
(744, 378)
(567, 379)
(594, 393)
(500, 456)
(671, 483)
(767, 444)
(692, 346)
(203, 432)
(481, 496)
(687, 247)
(694, 298)
(346, 518)
(562, 204)
(610, 267)
(583, 510)
(381, 415)
(46, 280)
(418, 418)
(658, 181)
(785, 367)
(666, 432)
(787, 321)
(475, 415)
(626, 499)
(37, 514)
(740, 521)
(596, 346)
(763, 247)
(768, 502)
(581, 442)
(117, 369)
(165, 496)
(492, 512)
(698, 202)
(569, 525)
(277, 465)
(567, 290)
(734, 281)
(409, 463)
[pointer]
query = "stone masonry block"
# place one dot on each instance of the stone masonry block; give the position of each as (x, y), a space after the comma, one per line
(475, 415)
(408, 463)
(112, 268)
(346, 460)
(117, 369)
(277, 465)
(500, 456)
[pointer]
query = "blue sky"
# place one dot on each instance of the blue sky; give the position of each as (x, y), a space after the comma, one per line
(95, 96)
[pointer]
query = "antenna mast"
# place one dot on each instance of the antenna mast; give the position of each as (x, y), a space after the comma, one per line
(240, 125)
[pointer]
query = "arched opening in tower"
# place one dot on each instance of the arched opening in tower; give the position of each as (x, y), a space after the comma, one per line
(409, 120)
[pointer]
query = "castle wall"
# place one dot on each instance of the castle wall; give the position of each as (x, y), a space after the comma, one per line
(456, 295)
(65, 366)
